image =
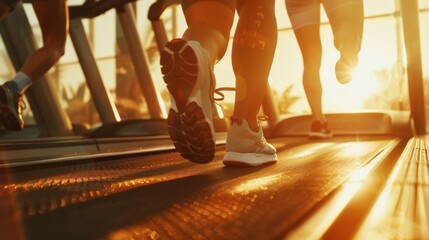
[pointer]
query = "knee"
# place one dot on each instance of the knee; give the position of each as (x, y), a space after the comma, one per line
(56, 51)
(57, 46)
(59, 51)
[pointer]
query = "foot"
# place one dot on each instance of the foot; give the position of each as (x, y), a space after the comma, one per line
(320, 130)
(10, 107)
(345, 67)
(190, 82)
(247, 148)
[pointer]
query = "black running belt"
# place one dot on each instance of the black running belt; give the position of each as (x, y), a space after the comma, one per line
(163, 196)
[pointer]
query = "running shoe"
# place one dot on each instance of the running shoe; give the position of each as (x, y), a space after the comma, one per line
(247, 148)
(11, 107)
(345, 67)
(320, 130)
(348, 61)
(190, 81)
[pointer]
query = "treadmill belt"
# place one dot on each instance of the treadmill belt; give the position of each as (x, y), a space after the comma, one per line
(162, 196)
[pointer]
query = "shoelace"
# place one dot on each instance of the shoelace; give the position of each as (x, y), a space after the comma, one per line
(261, 118)
(218, 91)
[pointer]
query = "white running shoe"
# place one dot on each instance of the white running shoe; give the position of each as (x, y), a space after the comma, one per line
(245, 147)
(190, 81)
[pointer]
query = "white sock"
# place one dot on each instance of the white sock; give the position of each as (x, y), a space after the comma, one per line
(23, 81)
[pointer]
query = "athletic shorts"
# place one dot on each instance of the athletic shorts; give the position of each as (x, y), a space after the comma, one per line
(229, 3)
(11, 3)
(307, 12)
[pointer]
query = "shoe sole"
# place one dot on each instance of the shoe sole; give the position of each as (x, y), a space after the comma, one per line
(234, 159)
(189, 128)
(8, 118)
(344, 70)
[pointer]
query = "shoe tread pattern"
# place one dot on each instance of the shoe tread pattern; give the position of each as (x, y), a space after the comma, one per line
(180, 71)
(188, 128)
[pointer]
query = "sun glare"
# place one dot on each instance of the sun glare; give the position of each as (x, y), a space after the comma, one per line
(257, 183)
(343, 97)
(363, 82)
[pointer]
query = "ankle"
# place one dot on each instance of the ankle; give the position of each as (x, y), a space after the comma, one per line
(251, 123)
(320, 118)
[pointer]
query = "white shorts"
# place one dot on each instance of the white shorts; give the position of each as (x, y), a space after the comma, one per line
(307, 12)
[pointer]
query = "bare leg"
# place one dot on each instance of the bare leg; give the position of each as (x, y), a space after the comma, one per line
(209, 23)
(252, 55)
(308, 38)
(53, 20)
(347, 26)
